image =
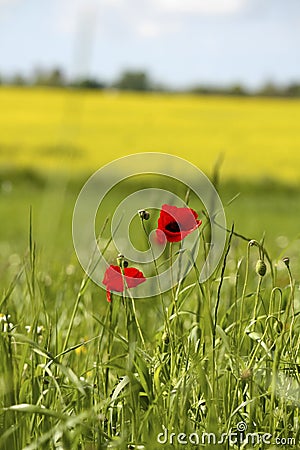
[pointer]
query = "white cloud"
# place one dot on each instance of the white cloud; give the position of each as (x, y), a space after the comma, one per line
(151, 29)
(201, 6)
(9, 2)
(148, 29)
(70, 19)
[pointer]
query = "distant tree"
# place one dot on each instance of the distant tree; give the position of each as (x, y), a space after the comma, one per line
(200, 90)
(293, 90)
(18, 80)
(208, 90)
(237, 89)
(269, 90)
(88, 83)
(39, 77)
(160, 87)
(54, 77)
(134, 81)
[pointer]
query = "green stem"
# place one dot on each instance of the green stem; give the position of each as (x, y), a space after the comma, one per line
(272, 299)
(79, 296)
(136, 319)
(257, 297)
(243, 298)
(166, 320)
(291, 306)
(174, 306)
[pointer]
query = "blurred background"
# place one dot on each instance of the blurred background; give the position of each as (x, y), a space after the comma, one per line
(84, 82)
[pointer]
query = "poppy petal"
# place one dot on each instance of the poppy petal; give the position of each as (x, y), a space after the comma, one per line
(177, 223)
(113, 279)
(133, 277)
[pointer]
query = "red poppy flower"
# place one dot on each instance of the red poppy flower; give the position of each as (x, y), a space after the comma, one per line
(177, 223)
(113, 279)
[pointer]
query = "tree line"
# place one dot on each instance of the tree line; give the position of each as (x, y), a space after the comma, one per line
(135, 80)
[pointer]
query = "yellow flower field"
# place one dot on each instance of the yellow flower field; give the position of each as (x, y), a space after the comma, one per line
(84, 367)
(81, 130)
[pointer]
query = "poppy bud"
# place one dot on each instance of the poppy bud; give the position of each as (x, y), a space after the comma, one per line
(144, 215)
(261, 268)
(121, 261)
(252, 242)
(286, 261)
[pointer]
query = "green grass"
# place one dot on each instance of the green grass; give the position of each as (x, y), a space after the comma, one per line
(74, 371)
(271, 208)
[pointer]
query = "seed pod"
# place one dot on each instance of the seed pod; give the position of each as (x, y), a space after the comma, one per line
(261, 268)
(121, 261)
(286, 261)
(144, 215)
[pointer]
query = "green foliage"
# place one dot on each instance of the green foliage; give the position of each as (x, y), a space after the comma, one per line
(78, 372)
(88, 83)
(139, 80)
(54, 77)
(134, 81)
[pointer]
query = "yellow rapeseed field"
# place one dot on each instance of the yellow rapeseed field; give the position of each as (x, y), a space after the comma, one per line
(69, 130)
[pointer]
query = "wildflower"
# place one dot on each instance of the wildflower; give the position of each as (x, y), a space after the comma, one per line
(39, 329)
(177, 223)
(4, 317)
(6, 324)
(113, 279)
(81, 348)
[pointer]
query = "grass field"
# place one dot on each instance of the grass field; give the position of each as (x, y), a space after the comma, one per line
(77, 372)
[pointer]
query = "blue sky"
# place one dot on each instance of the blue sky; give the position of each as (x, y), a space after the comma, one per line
(180, 42)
